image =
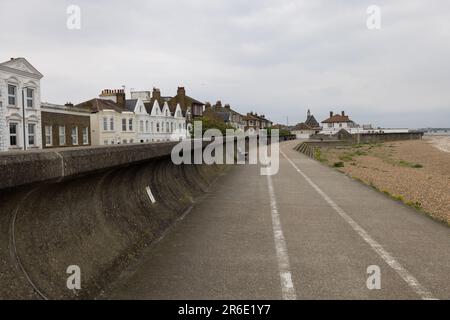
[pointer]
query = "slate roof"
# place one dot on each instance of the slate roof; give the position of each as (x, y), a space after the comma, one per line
(131, 104)
(337, 118)
(96, 105)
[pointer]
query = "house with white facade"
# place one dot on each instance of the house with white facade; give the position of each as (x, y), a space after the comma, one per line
(20, 113)
(337, 122)
(166, 124)
(111, 121)
(157, 117)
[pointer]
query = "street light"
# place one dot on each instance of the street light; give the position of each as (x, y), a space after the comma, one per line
(23, 119)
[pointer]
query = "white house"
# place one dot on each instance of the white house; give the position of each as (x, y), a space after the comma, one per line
(111, 121)
(166, 124)
(337, 122)
(20, 113)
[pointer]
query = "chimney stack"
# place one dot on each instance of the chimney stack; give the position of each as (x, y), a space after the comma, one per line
(207, 105)
(343, 113)
(331, 114)
(116, 95)
(156, 94)
(69, 104)
(227, 106)
(181, 91)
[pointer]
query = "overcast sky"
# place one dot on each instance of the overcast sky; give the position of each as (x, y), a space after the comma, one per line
(275, 57)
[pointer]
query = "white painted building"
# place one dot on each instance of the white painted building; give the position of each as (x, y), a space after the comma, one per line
(337, 122)
(165, 124)
(20, 128)
(155, 119)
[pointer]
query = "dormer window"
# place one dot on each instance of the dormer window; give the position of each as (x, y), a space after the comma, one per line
(30, 98)
(12, 94)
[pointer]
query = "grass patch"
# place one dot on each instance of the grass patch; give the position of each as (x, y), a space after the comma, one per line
(346, 157)
(407, 164)
(415, 204)
(319, 156)
(398, 198)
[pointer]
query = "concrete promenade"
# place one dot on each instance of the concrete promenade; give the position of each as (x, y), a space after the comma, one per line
(308, 232)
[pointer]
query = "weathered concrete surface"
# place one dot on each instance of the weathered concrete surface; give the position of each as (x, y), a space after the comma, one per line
(224, 249)
(21, 168)
(97, 221)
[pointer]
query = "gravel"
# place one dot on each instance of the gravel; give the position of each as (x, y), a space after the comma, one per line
(416, 172)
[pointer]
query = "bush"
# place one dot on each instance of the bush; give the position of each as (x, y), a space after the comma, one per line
(339, 164)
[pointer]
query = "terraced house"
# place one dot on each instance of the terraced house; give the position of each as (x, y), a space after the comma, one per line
(168, 119)
(254, 123)
(156, 121)
(227, 115)
(111, 121)
(65, 126)
(20, 113)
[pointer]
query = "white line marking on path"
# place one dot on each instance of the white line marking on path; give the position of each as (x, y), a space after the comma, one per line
(287, 286)
(386, 256)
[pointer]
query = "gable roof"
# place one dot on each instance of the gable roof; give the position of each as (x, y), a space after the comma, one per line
(131, 104)
(312, 122)
(337, 118)
(96, 105)
(184, 101)
(21, 66)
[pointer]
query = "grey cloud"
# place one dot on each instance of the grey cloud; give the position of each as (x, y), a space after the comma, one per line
(278, 57)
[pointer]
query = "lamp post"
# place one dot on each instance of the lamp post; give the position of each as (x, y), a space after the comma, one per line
(23, 120)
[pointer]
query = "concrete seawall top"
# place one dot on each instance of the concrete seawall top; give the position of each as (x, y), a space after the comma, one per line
(27, 167)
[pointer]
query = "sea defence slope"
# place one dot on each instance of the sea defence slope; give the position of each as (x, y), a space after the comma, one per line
(94, 208)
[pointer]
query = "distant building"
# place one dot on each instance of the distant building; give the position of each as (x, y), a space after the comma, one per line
(337, 122)
(182, 108)
(20, 113)
(254, 123)
(111, 121)
(65, 126)
(305, 129)
(193, 108)
(226, 114)
(436, 131)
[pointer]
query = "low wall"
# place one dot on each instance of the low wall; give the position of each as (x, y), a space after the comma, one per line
(87, 207)
(386, 137)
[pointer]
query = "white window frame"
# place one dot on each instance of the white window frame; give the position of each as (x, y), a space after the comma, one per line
(12, 96)
(15, 135)
(29, 100)
(130, 124)
(31, 135)
(85, 135)
(74, 135)
(62, 135)
(48, 136)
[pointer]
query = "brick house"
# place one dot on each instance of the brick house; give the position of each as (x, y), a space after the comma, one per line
(65, 126)
(255, 122)
(226, 114)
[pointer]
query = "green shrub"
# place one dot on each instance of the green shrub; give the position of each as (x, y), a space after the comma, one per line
(339, 164)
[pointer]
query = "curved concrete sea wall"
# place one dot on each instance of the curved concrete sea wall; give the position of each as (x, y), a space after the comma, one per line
(95, 208)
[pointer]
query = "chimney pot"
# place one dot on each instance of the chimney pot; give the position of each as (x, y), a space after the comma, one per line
(343, 113)
(331, 114)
